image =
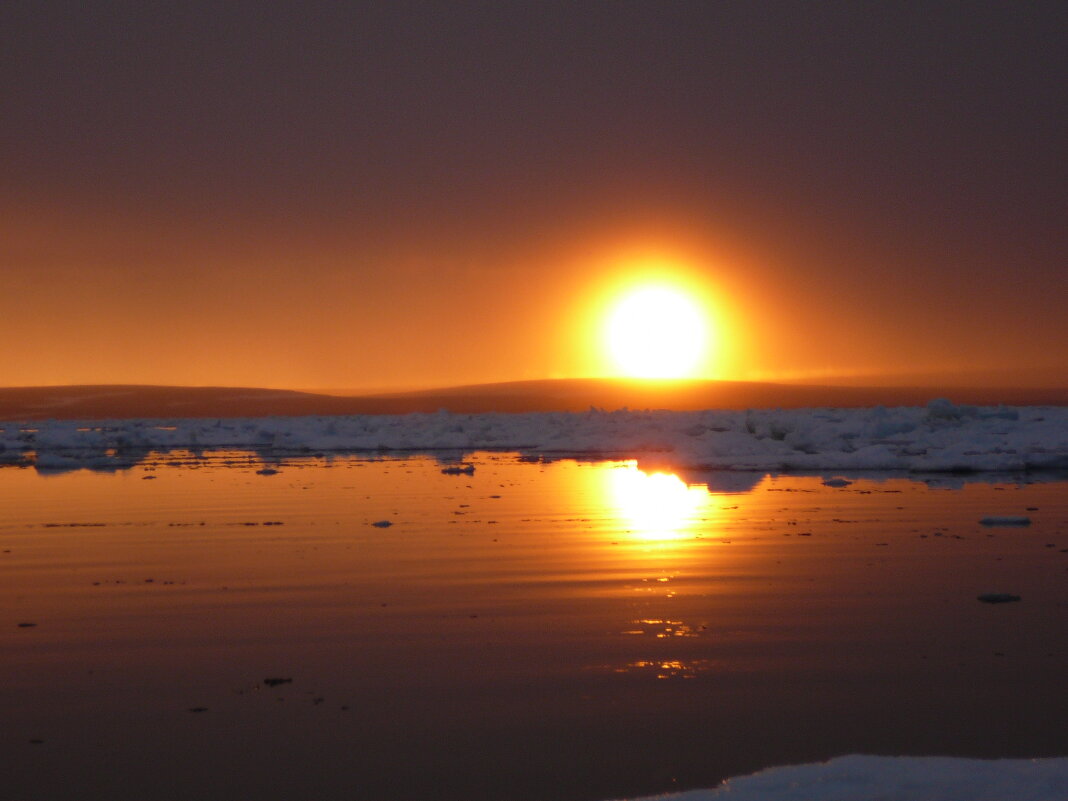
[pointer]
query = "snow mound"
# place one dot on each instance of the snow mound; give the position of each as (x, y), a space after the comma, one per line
(875, 778)
(940, 437)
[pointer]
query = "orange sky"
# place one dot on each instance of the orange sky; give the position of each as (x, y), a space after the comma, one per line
(384, 198)
(134, 299)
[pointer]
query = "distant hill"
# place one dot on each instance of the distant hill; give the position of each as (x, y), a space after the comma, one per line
(124, 401)
(1052, 377)
(581, 394)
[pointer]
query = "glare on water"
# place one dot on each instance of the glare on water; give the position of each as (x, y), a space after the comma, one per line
(658, 505)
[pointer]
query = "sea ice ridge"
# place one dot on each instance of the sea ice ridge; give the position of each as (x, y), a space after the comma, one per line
(940, 437)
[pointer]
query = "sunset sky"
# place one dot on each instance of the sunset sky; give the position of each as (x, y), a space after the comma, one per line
(387, 195)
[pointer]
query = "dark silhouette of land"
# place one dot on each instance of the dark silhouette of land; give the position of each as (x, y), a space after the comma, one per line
(124, 401)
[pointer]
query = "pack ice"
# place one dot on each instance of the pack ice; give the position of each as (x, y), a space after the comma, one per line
(940, 437)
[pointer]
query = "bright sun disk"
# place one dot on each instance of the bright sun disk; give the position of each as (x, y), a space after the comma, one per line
(657, 332)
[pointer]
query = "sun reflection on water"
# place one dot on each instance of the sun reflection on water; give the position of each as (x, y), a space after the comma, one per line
(669, 668)
(655, 506)
(662, 629)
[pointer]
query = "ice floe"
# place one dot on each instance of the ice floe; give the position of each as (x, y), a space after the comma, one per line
(998, 598)
(940, 437)
(863, 778)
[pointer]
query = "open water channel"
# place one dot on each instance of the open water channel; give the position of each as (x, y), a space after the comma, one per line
(232, 628)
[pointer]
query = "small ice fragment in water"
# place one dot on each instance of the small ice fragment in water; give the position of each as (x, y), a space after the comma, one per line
(837, 482)
(998, 598)
(1006, 520)
(466, 470)
(382, 523)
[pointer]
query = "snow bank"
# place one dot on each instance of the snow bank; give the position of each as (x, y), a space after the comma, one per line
(864, 778)
(940, 437)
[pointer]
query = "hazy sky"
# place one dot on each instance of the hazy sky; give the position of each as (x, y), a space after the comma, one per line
(394, 194)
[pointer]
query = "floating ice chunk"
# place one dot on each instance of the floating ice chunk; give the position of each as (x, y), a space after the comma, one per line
(1006, 520)
(382, 523)
(998, 598)
(837, 482)
(864, 778)
(454, 470)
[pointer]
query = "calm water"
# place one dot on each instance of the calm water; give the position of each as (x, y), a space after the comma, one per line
(532, 631)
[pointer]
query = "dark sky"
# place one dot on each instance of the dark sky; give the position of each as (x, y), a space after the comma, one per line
(358, 194)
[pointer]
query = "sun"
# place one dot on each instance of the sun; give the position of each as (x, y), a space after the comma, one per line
(657, 332)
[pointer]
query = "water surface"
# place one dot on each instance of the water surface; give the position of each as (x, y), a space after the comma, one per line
(531, 631)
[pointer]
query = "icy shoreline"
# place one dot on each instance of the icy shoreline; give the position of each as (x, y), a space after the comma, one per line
(939, 437)
(862, 778)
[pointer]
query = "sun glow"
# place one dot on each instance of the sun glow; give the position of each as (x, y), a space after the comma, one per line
(657, 332)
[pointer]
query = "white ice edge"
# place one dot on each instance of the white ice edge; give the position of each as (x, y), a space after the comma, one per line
(940, 437)
(882, 778)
